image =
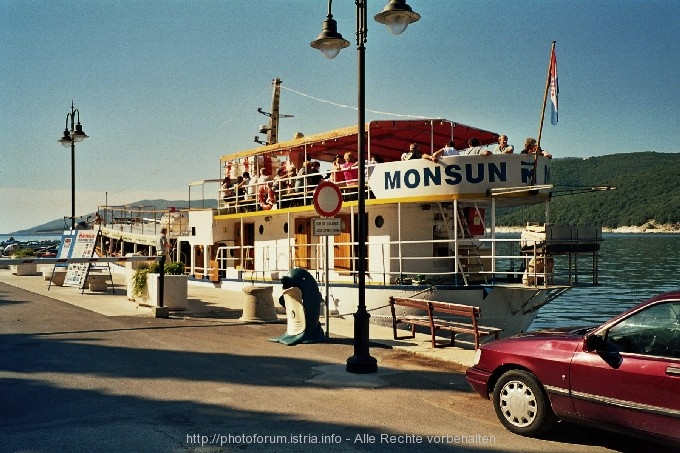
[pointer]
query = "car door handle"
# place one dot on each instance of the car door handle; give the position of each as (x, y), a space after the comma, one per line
(673, 370)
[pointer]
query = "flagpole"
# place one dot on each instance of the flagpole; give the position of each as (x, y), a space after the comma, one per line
(545, 95)
(545, 100)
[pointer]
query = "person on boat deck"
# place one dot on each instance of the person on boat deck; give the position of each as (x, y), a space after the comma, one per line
(414, 153)
(162, 244)
(337, 175)
(531, 147)
(447, 150)
(350, 168)
(308, 176)
(503, 147)
(264, 177)
(242, 184)
(475, 149)
(249, 185)
(314, 176)
(227, 188)
(281, 181)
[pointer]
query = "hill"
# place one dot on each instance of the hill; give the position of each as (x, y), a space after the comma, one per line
(645, 194)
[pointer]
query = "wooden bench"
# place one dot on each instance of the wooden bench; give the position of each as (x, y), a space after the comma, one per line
(433, 308)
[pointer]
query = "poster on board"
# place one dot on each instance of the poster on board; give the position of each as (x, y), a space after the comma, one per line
(82, 247)
(64, 251)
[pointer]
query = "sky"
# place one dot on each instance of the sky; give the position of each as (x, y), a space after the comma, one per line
(164, 88)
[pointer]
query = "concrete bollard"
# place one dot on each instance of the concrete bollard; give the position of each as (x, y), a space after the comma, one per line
(258, 305)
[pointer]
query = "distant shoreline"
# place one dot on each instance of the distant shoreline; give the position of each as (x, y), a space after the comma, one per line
(656, 229)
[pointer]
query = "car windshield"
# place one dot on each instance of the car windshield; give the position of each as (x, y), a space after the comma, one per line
(653, 331)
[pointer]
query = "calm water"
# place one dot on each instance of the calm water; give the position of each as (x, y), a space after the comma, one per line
(633, 267)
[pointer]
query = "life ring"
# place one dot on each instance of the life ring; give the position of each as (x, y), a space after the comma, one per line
(266, 197)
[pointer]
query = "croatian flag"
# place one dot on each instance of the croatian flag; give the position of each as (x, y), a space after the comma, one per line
(554, 88)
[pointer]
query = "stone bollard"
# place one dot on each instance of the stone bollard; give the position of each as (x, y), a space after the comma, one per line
(258, 305)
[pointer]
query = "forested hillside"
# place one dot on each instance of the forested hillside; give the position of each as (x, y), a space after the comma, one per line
(646, 192)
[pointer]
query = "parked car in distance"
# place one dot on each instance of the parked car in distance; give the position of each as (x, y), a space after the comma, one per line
(622, 375)
(48, 252)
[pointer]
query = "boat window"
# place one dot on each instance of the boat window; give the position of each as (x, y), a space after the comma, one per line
(379, 221)
(261, 229)
(285, 227)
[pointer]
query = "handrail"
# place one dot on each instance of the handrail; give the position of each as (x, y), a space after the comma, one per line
(259, 264)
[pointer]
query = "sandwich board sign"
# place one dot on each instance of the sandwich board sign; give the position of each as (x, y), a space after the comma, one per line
(81, 247)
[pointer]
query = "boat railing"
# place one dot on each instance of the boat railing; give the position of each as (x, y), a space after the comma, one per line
(285, 192)
(144, 220)
(502, 260)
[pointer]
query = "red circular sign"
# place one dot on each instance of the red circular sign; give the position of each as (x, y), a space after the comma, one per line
(327, 199)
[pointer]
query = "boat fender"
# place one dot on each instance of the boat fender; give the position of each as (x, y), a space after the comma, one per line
(266, 197)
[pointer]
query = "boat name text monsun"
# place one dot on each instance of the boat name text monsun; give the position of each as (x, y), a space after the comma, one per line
(454, 174)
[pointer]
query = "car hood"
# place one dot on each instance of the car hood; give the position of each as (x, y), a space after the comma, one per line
(564, 338)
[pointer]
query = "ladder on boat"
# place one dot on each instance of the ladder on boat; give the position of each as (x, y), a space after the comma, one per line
(464, 242)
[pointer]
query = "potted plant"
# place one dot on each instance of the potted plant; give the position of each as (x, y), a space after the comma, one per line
(24, 268)
(145, 282)
(138, 282)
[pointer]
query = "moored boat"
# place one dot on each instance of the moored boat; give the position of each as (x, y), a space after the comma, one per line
(430, 232)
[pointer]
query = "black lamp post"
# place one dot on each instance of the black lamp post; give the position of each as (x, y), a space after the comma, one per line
(70, 138)
(396, 15)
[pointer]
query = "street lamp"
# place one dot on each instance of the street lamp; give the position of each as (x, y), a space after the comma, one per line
(397, 15)
(70, 138)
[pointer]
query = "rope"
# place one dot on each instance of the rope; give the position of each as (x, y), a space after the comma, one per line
(352, 107)
(372, 309)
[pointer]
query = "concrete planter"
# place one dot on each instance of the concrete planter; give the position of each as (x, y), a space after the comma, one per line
(25, 269)
(174, 291)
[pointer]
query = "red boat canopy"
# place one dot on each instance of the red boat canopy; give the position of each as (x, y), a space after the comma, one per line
(387, 140)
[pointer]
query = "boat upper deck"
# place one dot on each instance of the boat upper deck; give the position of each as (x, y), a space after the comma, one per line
(511, 179)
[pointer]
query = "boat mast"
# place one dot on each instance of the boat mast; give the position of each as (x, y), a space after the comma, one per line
(272, 129)
(273, 132)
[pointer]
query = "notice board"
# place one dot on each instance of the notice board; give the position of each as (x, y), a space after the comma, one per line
(82, 246)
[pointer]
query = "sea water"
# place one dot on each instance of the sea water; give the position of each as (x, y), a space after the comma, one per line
(632, 268)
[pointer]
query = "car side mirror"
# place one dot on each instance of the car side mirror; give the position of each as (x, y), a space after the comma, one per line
(594, 343)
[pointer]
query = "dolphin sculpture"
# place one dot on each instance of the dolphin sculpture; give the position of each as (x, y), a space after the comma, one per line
(302, 299)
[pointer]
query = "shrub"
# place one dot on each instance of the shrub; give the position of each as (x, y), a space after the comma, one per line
(139, 279)
(23, 253)
(174, 268)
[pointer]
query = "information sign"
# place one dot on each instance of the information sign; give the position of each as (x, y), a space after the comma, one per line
(327, 226)
(82, 247)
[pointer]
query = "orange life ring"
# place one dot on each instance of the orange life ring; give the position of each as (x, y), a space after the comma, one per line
(266, 197)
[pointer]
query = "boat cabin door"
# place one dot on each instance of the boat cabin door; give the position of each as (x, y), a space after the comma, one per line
(303, 243)
(245, 256)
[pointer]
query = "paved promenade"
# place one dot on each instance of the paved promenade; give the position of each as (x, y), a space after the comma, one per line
(206, 301)
(99, 373)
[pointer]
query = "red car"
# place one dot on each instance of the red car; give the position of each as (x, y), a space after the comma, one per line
(623, 375)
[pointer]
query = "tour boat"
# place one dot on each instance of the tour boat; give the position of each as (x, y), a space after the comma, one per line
(430, 226)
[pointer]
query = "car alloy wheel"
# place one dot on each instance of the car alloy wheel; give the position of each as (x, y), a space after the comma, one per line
(522, 405)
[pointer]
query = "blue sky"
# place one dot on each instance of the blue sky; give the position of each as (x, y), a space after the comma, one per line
(166, 87)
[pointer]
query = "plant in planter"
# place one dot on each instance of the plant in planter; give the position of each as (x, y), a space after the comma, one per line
(139, 279)
(145, 284)
(24, 268)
